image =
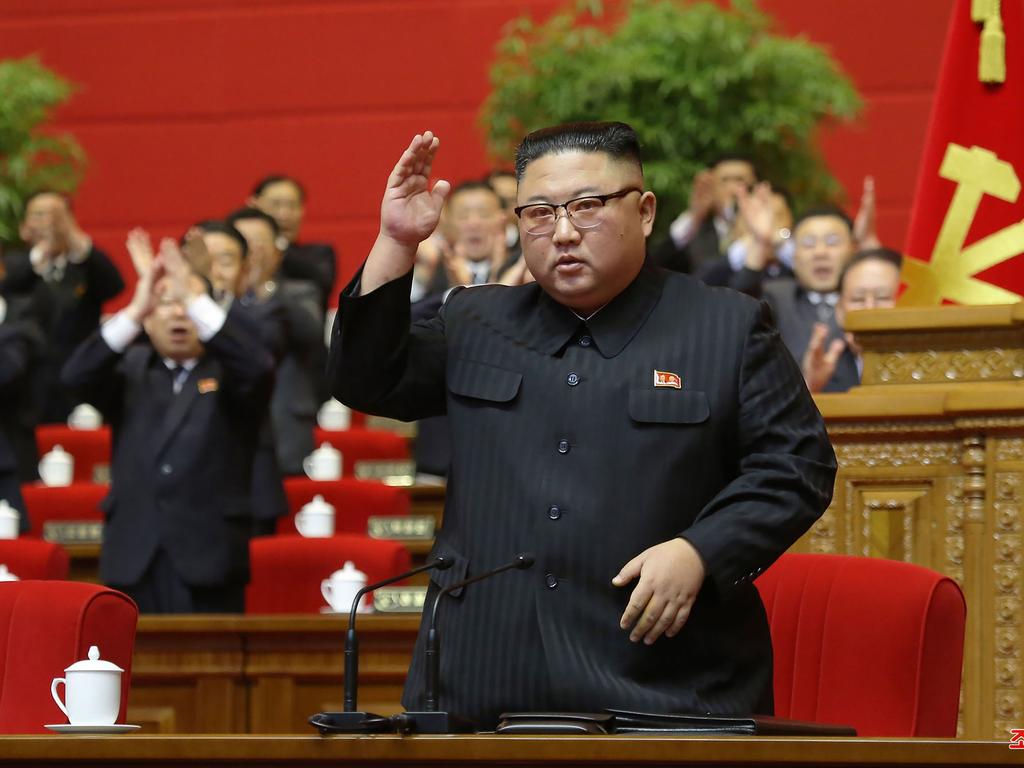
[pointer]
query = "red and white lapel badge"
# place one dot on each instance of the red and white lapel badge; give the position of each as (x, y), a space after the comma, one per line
(667, 379)
(207, 385)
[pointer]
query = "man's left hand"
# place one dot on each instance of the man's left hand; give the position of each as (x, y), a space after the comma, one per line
(671, 574)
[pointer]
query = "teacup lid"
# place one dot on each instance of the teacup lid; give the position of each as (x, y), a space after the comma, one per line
(6, 575)
(57, 449)
(93, 663)
(326, 449)
(333, 406)
(348, 572)
(6, 510)
(318, 504)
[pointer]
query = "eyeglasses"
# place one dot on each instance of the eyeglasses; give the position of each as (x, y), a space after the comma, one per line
(583, 212)
(831, 240)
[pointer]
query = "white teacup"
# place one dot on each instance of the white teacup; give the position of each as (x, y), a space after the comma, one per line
(57, 467)
(92, 690)
(339, 589)
(323, 464)
(316, 519)
(84, 416)
(334, 415)
(9, 519)
(6, 575)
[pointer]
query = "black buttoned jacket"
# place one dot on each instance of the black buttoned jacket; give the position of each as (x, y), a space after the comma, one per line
(563, 446)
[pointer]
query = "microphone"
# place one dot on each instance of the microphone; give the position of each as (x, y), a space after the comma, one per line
(350, 720)
(430, 720)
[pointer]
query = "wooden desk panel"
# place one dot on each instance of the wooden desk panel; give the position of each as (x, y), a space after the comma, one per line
(261, 674)
(565, 751)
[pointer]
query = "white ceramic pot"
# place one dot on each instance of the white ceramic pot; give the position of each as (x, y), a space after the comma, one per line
(92, 691)
(339, 589)
(316, 518)
(57, 467)
(323, 464)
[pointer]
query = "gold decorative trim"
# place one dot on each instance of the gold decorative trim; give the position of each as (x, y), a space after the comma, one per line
(897, 454)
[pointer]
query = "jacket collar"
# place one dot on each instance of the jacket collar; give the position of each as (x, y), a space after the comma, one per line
(611, 328)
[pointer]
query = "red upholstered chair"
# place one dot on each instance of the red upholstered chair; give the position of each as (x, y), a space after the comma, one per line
(90, 447)
(363, 445)
(286, 571)
(45, 626)
(75, 502)
(872, 643)
(354, 501)
(33, 559)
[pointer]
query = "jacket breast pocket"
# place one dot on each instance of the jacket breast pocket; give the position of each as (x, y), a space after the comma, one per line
(483, 382)
(668, 406)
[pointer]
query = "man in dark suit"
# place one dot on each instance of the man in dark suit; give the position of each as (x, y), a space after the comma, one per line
(299, 377)
(822, 244)
(702, 232)
(21, 345)
(870, 280)
(284, 198)
(185, 407)
(68, 279)
(644, 437)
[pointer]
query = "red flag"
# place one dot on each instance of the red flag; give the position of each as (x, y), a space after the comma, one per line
(966, 235)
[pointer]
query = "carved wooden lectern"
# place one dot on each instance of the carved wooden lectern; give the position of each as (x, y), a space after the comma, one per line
(931, 469)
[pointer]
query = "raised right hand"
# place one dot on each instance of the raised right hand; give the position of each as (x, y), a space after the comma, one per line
(410, 210)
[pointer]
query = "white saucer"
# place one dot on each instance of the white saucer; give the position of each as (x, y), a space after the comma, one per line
(116, 728)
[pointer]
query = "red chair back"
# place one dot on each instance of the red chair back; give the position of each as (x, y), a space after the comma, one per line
(45, 627)
(363, 445)
(78, 501)
(89, 447)
(872, 643)
(34, 559)
(355, 501)
(286, 571)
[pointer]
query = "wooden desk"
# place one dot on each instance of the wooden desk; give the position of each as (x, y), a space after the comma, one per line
(261, 674)
(607, 751)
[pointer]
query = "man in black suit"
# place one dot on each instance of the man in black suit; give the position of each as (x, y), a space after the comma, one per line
(284, 198)
(702, 232)
(21, 344)
(870, 280)
(185, 406)
(644, 437)
(822, 244)
(299, 377)
(68, 279)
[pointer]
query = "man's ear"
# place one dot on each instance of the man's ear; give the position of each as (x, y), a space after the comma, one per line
(648, 207)
(250, 202)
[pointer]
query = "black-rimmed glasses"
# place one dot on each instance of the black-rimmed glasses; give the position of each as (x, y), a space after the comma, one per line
(583, 212)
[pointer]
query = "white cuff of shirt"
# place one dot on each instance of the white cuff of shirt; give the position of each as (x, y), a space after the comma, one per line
(208, 316)
(38, 261)
(737, 253)
(682, 230)
(120, 331)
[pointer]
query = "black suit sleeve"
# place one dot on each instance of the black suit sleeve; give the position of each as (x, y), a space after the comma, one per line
(105, 281)
(786, 467)
(93, 373)
(381, 364)
(245, 356)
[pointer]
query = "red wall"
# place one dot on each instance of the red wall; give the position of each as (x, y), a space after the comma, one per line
(184, 103)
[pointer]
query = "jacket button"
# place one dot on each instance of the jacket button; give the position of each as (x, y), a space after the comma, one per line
(586, 341)
(554, 513)
(572, 379)
(563, 446)
(166, 469)
(551, 580)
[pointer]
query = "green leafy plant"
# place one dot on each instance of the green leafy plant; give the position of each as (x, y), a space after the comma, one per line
(694, 79)
(32, 158)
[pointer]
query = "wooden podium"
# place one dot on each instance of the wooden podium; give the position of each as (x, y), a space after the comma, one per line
(931, 471)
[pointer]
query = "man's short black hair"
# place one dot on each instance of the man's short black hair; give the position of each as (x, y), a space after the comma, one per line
(44, 191)
(823, 210)
(248, 213)
(733, 157)
(474, 185)
(217, 227)
(277, 178)
(888, 255)
(615, 139)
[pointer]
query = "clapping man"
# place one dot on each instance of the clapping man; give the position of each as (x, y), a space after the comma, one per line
(185, 404)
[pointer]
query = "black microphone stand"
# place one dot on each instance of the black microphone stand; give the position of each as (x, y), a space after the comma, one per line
(351, 720)
(430, 720)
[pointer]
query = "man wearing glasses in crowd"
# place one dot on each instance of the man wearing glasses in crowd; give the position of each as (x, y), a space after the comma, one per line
(645, 438)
